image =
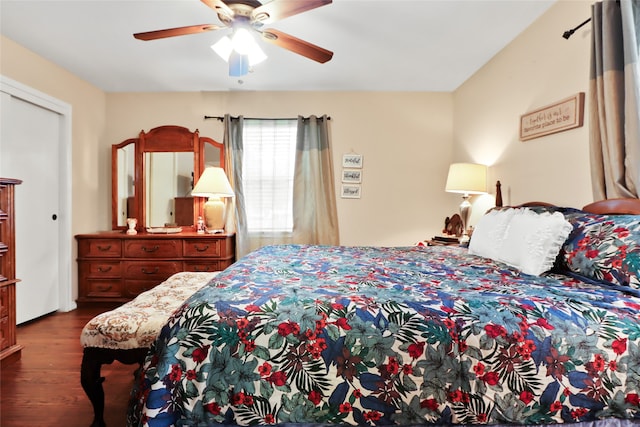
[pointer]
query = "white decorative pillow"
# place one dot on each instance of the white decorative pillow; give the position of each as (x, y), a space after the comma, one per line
(533, 241)
(489, 233)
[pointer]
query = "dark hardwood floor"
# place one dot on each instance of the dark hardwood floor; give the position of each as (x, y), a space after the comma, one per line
(43, 387)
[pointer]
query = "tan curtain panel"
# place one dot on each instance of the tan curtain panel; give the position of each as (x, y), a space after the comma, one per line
(233, 150)
(315, 216)
(614, 99)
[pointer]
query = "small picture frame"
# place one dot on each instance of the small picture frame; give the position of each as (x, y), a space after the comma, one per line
(350, 191)
(353, 176)
(353, 161)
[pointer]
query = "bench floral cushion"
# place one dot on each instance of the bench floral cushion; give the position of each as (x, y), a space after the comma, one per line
(136, 324)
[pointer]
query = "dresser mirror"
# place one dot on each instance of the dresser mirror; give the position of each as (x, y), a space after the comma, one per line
(153, 175)
(123, 192)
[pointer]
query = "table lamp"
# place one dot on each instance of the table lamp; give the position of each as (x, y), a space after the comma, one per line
(466, 178)
(213, 183)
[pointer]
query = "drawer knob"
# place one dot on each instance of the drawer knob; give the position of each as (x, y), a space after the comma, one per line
(103, 269)
(104, 288)
(104, 248)
(152, 249)
(201, 249)
(154, 271)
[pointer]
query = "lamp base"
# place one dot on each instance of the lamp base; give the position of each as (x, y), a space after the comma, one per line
(465, 208)
(214, 215)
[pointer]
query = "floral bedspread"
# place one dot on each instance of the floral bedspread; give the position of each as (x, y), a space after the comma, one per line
(383, 336)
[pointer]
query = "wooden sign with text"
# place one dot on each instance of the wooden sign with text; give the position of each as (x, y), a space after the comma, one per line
(557, 117)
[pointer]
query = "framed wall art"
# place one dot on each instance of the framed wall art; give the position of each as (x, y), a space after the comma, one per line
(353, 176)
(352, 161)
(350, 191)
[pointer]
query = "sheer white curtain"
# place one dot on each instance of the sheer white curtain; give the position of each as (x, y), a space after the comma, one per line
(313, 200)
(614, 92)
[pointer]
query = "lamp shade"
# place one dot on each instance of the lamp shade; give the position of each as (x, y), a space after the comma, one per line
(467, 178)
(213, 183)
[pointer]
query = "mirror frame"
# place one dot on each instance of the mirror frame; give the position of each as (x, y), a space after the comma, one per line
(167, 138)
(115, 213)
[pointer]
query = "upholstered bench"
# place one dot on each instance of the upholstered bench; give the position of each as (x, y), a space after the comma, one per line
(126, 333)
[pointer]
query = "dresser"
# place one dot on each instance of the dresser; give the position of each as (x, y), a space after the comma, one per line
(115, 267)
(9, 349)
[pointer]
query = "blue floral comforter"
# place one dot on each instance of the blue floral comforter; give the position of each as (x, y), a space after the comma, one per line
(380, 336)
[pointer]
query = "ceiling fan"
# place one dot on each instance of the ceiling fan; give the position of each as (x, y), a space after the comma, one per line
(241, 16)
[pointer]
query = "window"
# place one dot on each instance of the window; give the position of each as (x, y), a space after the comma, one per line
(267, 174)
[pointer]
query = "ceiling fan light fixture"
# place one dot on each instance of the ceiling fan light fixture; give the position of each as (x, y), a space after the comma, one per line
(238, 64)
(256, 55)
(245, 44)
(241, 43)
(223, 48)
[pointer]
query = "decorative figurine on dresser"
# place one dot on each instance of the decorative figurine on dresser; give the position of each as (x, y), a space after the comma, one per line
(154, 218)
(10, 350)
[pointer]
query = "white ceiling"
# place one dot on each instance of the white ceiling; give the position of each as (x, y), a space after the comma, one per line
(378, 45)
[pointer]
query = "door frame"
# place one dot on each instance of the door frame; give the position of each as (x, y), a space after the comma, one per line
(16, 89)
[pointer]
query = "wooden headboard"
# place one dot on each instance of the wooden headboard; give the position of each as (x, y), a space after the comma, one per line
(620, 206)
(614, 206)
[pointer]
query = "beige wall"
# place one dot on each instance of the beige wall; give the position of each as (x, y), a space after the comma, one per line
(537, 69)
(405, 139)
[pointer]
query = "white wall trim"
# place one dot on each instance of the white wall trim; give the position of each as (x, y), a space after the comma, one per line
(64, 110)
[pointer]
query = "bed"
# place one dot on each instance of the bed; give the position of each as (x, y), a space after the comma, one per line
(537, 322)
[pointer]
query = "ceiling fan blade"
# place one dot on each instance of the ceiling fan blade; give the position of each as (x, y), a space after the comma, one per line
(172, 32)
(280, 9)
(297, 45)
(220, 7)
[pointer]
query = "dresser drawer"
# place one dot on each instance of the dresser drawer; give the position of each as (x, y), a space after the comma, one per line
(116, 267)
(104, 288)
(133, 288)
(98, 269)
(100, 248)
(150, 270)
(152, 248)
(203, 266)
(202, 248)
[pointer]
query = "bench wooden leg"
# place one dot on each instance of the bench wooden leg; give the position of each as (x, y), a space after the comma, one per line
(92, 360)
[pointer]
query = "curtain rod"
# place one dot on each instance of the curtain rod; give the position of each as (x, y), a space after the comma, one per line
(221, 118)
(570, 32)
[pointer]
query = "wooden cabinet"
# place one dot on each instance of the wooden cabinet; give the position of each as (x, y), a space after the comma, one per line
(116, 267)
(9, 348)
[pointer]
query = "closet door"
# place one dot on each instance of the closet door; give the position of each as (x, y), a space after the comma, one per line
(29, 150)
